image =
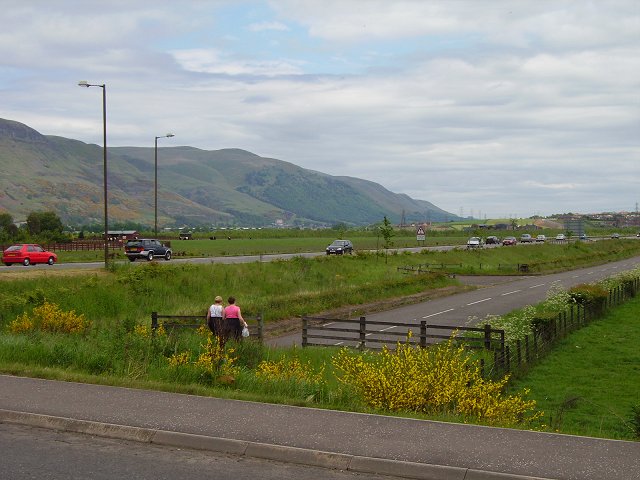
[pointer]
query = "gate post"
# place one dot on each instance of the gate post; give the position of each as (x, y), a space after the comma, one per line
(305, 325)
(363, 332)
(487, 336)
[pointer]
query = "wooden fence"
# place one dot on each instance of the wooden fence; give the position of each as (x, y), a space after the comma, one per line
(360, 333)
(255, 323)
(504, 357)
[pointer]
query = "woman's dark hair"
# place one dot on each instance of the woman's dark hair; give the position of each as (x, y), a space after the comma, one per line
(232, 300)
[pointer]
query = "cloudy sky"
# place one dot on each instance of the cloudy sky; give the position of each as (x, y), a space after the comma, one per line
(484, 107)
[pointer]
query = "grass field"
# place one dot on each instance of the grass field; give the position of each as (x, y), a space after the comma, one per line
(118, 303)
(590, 382)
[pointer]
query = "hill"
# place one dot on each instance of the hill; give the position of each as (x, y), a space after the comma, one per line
(219, 187)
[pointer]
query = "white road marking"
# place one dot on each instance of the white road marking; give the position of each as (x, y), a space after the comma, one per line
(536, 286)
(434, 314)
(509, 293)
(388, 328)
(339, 343)
(328, 324)
(576, 276)
(479, 301)
(590, 273)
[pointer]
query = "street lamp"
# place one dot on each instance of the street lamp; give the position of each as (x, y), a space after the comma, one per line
(155, 224)
(84, 83)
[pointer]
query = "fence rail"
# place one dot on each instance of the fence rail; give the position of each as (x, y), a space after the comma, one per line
(360, 332)
(255, 323)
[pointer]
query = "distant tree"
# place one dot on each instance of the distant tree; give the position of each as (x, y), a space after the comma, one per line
(341, 229)
(44, 222)
(8, 229)
(386, 230)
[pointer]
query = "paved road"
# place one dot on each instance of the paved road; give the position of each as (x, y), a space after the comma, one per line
(31, 452)
(501, 295)
(443, 450)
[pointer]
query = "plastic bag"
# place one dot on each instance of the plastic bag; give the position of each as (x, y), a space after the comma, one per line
(245, 332)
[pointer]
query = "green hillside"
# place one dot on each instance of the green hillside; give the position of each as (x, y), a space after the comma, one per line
(220, 187)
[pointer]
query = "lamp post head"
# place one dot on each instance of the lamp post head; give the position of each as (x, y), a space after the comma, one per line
(169, 135)
(83, 83)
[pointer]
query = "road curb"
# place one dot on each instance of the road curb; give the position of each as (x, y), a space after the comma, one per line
(280, 453)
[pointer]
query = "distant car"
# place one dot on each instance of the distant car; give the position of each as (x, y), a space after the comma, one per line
(492, 240)
(509, 241)
(147, 248)
(526, 238)
(541, 238)
(474, 242)
(340, 247)
(27, 254)
(583, 237)
(561, 237)
(615, 235)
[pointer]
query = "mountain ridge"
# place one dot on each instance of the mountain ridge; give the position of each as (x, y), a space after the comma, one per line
(210, 187)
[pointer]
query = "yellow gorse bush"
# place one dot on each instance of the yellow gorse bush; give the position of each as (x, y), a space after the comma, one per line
(215, 359)
(439, 379)
(49, 317)
(288, 369)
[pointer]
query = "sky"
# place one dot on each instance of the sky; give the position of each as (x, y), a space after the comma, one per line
(491, 109)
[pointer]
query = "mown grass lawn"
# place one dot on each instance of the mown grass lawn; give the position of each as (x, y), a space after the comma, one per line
(590, 381)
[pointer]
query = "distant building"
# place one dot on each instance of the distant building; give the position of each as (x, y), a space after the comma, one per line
(123, 235)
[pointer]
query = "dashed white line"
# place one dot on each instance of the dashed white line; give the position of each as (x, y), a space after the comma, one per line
(434, 314)
(328, 324)
(479, 301)
(510, 293)
(339, 343)
(536, 286)
(388, 328)
(590, 273)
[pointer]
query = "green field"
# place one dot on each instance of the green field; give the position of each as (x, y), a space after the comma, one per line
(590, 382)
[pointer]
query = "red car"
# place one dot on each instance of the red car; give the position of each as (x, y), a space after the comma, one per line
(509, 241)
(27, 254)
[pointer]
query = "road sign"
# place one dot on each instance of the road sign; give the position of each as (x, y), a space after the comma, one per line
(420, 235)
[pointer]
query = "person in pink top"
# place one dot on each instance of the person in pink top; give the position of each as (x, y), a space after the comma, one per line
(233, 320)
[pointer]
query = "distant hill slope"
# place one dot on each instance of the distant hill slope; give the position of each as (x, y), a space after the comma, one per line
(229, 186)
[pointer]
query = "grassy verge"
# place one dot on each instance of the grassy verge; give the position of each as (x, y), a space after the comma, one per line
(590, 382)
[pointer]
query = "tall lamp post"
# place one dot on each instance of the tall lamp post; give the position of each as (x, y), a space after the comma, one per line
(84, 83)
(155, 190)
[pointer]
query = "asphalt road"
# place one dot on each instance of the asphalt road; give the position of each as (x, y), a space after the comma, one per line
(500, 296)
(45, 454)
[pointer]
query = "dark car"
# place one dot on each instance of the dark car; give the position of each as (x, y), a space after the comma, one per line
(339, 247)
(27, 254)
(146, 248)
(492, 240)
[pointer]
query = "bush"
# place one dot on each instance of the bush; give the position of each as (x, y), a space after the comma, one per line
(439, 379)
(589, 294)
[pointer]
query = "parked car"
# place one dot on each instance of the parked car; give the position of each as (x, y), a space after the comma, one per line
(27, 254)
(474, 242)
(526, 238)
(146, 248)
(615, 235)
(340, 247)
(561, 237)
(492, 240)
(541, 238)
(509, 241)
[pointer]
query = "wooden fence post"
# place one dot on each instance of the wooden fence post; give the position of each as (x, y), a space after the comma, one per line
(363, 332)
(304, 331)
(487, 336)
(154, 320)
(423, 333)
(260, 328)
